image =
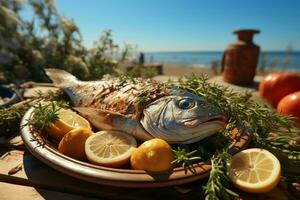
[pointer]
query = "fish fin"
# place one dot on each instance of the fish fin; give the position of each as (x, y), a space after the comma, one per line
(60, 77)
(108, 120)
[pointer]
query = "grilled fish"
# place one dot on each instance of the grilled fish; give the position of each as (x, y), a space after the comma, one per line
(145, 109)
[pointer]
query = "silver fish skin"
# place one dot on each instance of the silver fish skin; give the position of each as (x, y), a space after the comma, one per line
(145, 109)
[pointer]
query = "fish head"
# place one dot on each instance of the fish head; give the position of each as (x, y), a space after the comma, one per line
(182, 117)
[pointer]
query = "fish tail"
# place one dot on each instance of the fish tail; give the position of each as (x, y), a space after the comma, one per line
(60, 78)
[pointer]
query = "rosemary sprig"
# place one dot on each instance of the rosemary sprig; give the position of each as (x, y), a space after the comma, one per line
(284, 146)
(57, 95)
(151, 91)
(185, 157)
(143, 99)
(125, 79)
(259, 118)
(217, 186)
(10, 118)
(44, 115)
(239, 107)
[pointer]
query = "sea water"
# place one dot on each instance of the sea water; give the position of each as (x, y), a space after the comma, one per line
(279, 60)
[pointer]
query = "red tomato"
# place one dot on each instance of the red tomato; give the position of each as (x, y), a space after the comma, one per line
(290, 105)
(275, 86)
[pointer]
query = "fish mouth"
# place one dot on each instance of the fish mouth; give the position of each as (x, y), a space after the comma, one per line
(192, 123)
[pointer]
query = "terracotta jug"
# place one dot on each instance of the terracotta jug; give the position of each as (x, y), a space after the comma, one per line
(240, 58)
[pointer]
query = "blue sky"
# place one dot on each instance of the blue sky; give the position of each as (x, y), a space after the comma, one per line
(178, 25)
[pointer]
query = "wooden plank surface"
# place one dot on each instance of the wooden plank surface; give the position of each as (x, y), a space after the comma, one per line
(36, 174)
(35, 180)
(19, 192)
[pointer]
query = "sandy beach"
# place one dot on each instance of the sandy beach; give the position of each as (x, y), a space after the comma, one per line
(184, 70)
(175, 71)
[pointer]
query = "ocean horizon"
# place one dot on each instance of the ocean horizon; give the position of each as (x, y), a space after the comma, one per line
(269, 60)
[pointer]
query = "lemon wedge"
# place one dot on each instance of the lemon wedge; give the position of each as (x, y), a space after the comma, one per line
(254, 170)
(68, 120)
(109, 148)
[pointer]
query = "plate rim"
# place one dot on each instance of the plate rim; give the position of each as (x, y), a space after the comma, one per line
(114, 176)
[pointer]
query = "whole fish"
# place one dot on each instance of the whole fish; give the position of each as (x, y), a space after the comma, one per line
(145, 109)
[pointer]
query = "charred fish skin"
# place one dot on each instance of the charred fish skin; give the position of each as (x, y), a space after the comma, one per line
(142, 108)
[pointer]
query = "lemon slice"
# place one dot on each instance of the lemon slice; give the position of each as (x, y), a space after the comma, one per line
(109, 148)
(68, 120)
(254, 170)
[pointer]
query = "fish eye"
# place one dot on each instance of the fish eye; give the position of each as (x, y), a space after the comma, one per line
(186, 103)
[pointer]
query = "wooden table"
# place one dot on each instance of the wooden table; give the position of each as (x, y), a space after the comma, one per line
(31, 179)
(24, 177)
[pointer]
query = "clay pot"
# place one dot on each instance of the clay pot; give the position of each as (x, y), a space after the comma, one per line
(240, 58)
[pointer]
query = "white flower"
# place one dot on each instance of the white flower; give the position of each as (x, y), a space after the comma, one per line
(68, 26)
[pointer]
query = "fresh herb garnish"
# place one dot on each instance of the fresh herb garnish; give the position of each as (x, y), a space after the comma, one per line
(10, 118)
(258, 118)
(44, 115)
(185, 157)
(217, 186)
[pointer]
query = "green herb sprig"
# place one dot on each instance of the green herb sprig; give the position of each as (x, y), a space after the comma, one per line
(10, 118)
(44, 115)
(259, 118)
(185, 157)
(217, 186)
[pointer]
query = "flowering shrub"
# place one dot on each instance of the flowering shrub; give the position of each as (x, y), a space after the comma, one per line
(49, 40)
